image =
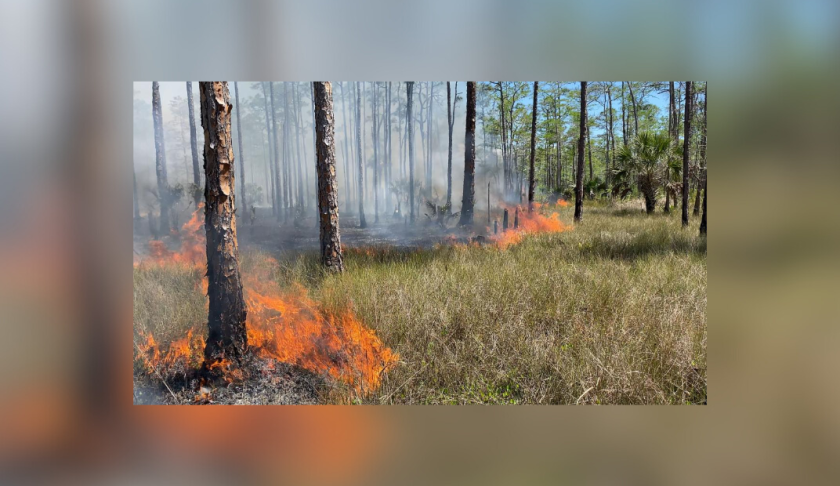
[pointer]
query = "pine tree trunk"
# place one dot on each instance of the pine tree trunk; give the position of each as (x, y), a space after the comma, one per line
(375, 137)
(623, 117)
(302, 198)
(580, 149)
(327, 187)
(136, 197)
(468, 201)
(409, 86)
(277, 186)
(271, 148)
(160, 161)
(705, 197)
(611, 145)
(193, 145)
(429, 142)
(701, 176)
(227, 337)
(533, 150)
(635, 112)
(672, 135)
(686, 147)
(449, 116)
(388, 160)
(241, 154)
(362, 222)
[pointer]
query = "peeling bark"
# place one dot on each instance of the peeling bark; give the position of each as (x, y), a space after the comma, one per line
(227, 337)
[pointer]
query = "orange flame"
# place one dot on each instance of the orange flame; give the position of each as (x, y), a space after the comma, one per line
(562, 203)
(283, 325)
(529, 223)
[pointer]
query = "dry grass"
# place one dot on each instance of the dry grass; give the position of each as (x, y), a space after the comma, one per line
(613, 312)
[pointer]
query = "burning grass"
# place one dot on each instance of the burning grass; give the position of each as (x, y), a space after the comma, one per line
(284, 325)
(612, 312)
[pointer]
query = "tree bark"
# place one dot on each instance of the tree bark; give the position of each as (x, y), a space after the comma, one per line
(468, 201)
(375, 137)
(327, 187)
(449, 117)
(362, 222)
(705, 198)
(701, 175)
(160, 161)
(409, 86)
(277, 186)
(686, 146)
(580, 149)
(623, 117)
(635, 113)
(227, 337)
(672, 135)
(136, 199)
(429, 142)
(271, 148)
(193, 145)
(241, 153)
(611, 139)
(533, 150)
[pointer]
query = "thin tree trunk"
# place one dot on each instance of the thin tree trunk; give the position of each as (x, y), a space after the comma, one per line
(635, 113)
(300, 165)
(580, 148)
(686, 147)
(701, 175)
(347, 155)
(705, 198)
(533, 150)
(611, 144)
(241, 154)
(362, 222)
(388, 160)
(429, 149)
(278, 187)
(327, 186)
(375, 138)
(671, 135)
(160, 161)
(623, 117)
(468, 200)
(409, 86)
(193, 146)
(270, 135)
(227, 337)
(449, 117)
(288, 196)
(136, 198)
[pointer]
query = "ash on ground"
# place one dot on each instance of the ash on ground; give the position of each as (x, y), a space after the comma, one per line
(269, 383)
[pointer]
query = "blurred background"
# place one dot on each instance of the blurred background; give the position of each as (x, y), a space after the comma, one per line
(65, 228)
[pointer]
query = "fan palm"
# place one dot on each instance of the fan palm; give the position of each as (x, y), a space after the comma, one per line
(645, 159)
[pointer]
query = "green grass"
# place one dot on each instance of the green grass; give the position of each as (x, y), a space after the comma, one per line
(612, 312)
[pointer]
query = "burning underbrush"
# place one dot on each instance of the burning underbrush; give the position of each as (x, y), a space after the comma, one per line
(285, 327)
(522, 223)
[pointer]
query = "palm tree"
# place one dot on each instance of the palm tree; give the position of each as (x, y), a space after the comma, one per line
(648, 159)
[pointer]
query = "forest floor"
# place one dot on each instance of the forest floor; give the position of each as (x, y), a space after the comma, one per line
(611, 311)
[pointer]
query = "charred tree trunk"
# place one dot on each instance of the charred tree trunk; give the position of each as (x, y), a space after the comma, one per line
(409, 87)
(580, 149)
(160, 161)
(533, 150)
(193, 145)
(241, 154)
(327, 187)
(362, 222)
(227, 338)
(505, 221)
(468, 201)
(686, 147)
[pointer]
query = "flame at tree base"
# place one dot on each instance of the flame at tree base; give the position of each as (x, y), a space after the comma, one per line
(529, 223)
(285, 325)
